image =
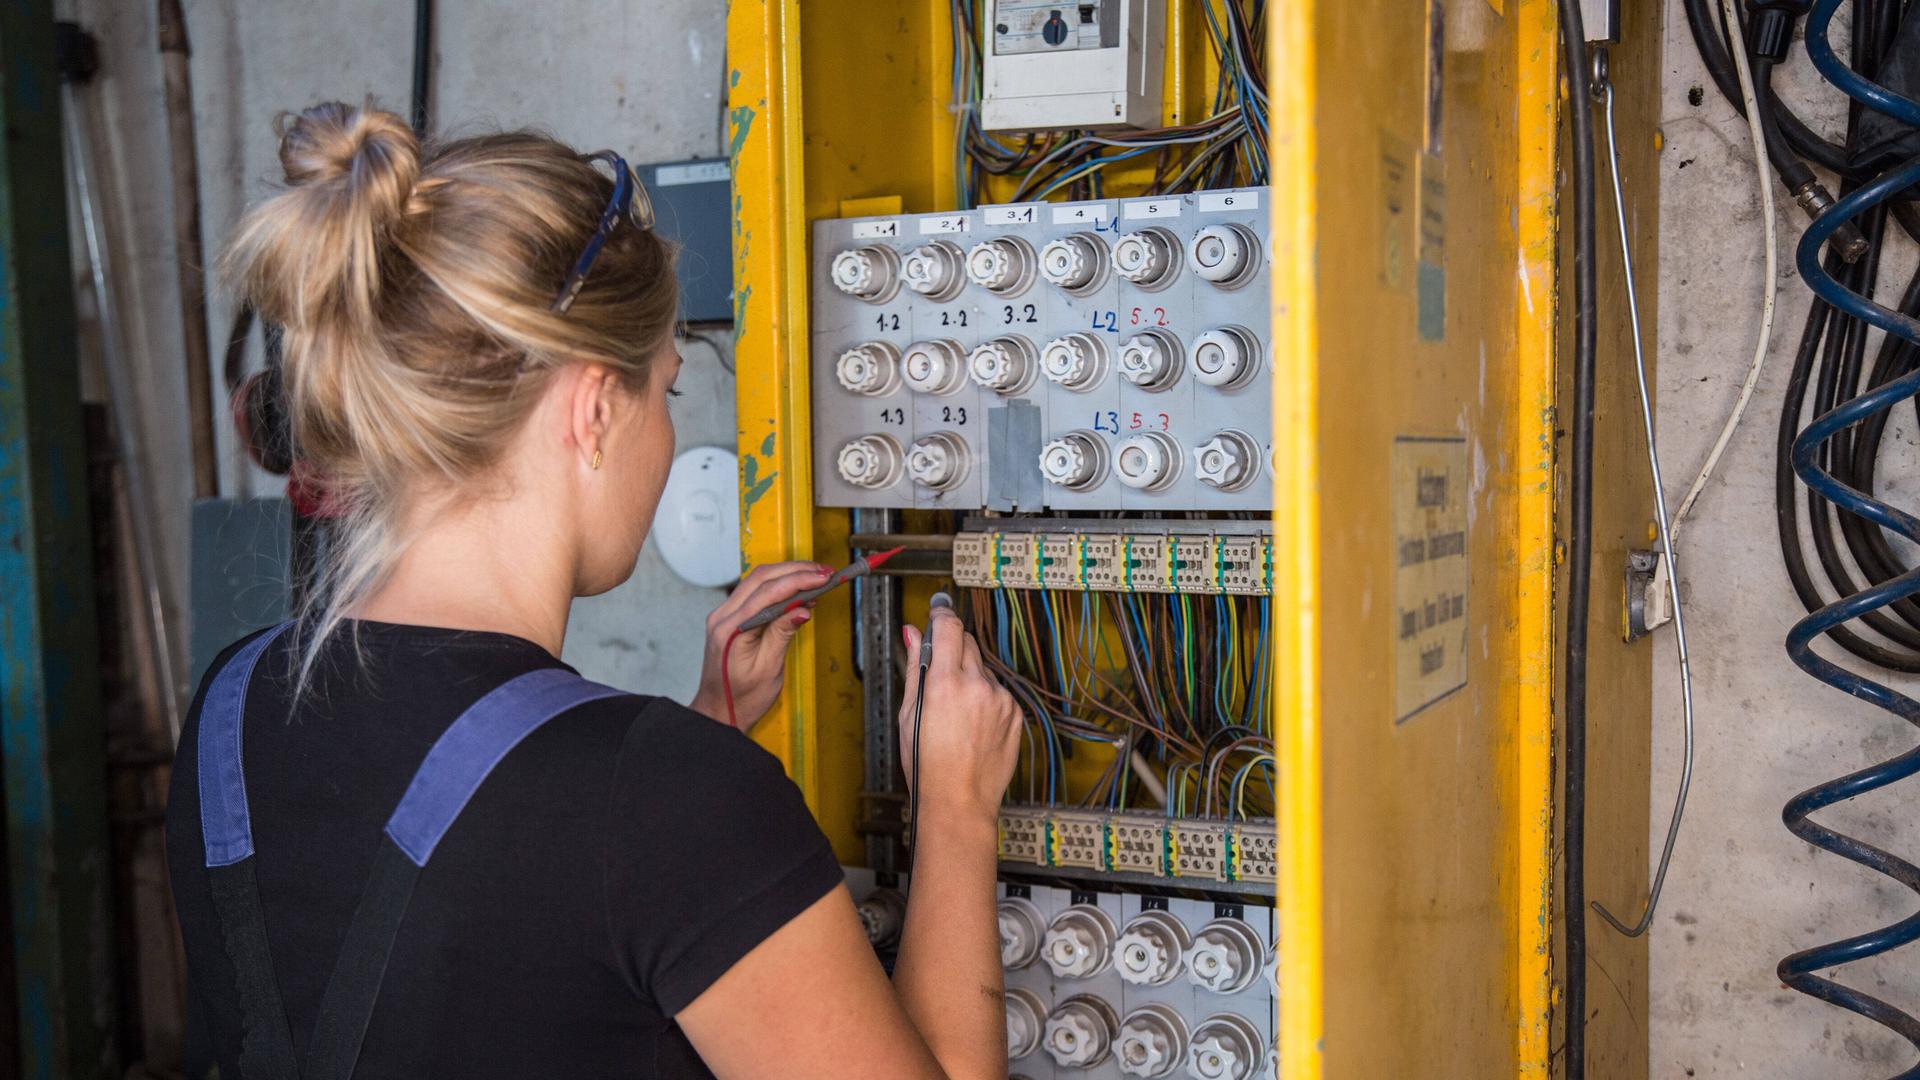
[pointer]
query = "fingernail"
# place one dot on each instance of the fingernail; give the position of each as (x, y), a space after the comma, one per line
(906, 637)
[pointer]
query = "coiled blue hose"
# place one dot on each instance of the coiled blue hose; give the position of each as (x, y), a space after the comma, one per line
(1798, 970)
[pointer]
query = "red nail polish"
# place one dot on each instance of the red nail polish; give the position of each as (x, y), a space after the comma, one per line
(906, 638)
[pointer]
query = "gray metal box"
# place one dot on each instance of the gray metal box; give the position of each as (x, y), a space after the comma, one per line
(693, 207)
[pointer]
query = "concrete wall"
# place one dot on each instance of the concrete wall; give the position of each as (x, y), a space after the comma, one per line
(644, 78)
(1743, 891)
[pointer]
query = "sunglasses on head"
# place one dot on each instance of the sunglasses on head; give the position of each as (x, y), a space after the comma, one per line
(630, 203)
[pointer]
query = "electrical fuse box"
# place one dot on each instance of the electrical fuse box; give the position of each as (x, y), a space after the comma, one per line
(1106, 355)
(1108, 986)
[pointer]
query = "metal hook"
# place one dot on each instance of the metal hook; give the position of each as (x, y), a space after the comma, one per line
(1604, 91)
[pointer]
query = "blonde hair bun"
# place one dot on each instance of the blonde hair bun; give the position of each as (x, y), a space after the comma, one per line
(374, 150)
(414, 286)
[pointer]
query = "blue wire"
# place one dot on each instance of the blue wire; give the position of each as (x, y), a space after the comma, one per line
(1856, 86)
(1798, 970)
(1220, 664)
(1053, 638)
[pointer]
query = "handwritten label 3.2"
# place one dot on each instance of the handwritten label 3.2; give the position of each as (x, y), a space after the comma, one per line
(1430, 571)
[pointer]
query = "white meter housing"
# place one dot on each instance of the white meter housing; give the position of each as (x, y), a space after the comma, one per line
(1080, 65)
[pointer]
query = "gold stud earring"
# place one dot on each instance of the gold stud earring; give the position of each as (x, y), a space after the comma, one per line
(596, 459)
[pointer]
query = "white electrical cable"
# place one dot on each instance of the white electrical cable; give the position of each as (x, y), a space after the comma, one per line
(1764, 172)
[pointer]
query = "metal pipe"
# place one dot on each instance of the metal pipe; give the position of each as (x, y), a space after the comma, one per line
(138, 488)
(909, 541)
(189, 257)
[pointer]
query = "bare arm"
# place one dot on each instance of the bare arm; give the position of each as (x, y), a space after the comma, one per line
(811, 1002)
(948, 972)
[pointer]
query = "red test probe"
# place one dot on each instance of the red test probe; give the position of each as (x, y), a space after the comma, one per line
(860, 567)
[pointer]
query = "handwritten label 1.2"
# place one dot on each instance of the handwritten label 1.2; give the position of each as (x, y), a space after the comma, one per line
(951, 223)
(1009, 215)
(875, 230)
(1150, 209)
(1214, 202)
(1081, 213)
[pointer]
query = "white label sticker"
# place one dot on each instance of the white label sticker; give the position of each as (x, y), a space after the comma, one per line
(1431, 574)
(1010, 215)
(951, 224)
(869, 230)
(1212, 202)
(1076, 213)
(1150, 209)
(697, 172)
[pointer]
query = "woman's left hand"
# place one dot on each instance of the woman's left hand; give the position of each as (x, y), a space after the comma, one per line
(756, 665)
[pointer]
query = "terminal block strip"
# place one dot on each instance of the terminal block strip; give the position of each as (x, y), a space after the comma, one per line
(1197, 850)
(1133, 561)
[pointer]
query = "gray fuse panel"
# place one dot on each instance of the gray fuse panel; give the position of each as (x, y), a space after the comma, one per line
(1105, 355)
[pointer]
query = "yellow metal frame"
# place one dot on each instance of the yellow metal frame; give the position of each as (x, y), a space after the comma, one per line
(1417, 897)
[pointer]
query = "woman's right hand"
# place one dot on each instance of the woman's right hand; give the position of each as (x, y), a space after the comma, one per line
(969, 731)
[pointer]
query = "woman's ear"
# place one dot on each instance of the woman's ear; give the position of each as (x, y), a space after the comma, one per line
(591, 403)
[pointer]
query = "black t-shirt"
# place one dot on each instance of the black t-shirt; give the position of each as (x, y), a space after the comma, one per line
(615, 864)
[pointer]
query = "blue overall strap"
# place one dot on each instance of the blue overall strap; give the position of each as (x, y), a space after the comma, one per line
(454, 769)
(456, 766)
(266, 1042)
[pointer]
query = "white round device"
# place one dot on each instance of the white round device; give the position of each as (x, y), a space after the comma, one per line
(697, 529)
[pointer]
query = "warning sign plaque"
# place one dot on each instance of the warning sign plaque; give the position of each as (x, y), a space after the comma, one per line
(1429, 624)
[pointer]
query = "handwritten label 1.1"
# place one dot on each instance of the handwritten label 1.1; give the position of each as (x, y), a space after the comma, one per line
(875, 230)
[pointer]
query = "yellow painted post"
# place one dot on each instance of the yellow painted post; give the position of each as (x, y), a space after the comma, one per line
(1531, 784)
(1292, 90)
(1417, 248)
(769, 266)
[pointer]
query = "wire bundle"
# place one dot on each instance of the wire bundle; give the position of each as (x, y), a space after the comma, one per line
(1831, 357)
(1176, 685)
(1830, 369)
(1817, 454)
(1226, 149)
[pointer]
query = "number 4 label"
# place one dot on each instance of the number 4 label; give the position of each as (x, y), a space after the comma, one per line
(1079, 213)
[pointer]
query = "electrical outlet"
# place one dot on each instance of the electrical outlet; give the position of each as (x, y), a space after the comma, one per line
(1199, 850)
(1023, 837)
(1237, 568)
(1059, 561)
(1256, 852)
(1137, 844)
(1148, 563)
(1079, 840)
(1019, 558)
(1101, 568)
(1193, 565)
(973, 560)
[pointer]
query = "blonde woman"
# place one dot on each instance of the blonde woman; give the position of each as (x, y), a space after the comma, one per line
(406, 840)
